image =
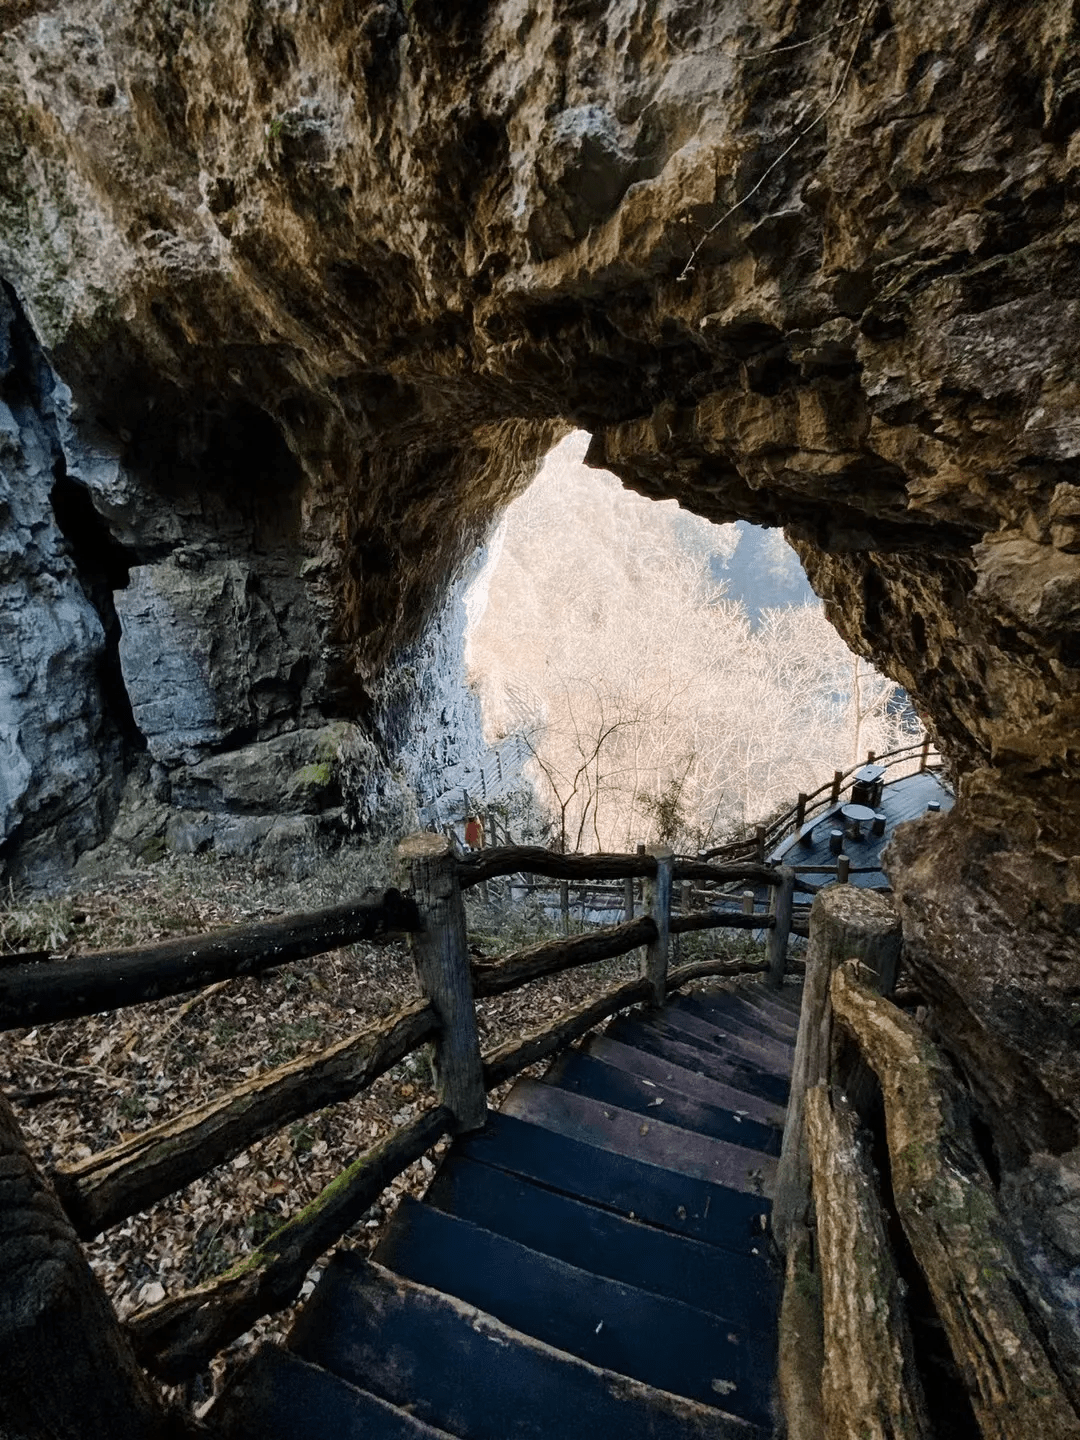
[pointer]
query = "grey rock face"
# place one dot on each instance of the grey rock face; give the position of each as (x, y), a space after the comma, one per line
(60, 758)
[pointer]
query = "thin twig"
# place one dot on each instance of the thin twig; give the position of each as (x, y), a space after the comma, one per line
(833, 98)
(801, 44)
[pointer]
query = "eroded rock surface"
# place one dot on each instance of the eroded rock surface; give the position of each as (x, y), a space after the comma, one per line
(329, 278)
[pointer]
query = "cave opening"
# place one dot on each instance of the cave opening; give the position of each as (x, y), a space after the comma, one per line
(671, 678)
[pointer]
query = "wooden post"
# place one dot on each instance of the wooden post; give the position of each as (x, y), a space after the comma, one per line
(658, 906)
(641, 883)
(843, 868)
(748, 902)
(759, 844)
(783, 900)
(69, 1372)
(441, 955)
(845, 921)
(564, 906)
(800, 810)
(925, 753)
(870, 1384)
(837, 781)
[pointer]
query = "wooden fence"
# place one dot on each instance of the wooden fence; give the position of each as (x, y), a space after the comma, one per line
(883, 1137)
(177, 1338)
(768, 836)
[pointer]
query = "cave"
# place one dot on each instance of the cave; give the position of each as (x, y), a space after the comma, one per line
(310, 297)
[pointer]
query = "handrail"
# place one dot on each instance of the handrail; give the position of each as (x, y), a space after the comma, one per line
(36, 992)
(177, 1338)
(779, 826)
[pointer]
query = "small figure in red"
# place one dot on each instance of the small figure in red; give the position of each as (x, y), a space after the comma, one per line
(474, 833)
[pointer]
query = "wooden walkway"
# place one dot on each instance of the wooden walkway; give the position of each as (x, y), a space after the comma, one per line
(904, 799)
(593, 1262)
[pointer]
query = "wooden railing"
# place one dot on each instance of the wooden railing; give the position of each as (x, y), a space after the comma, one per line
(177, 1338)
(768, 836)
(881, 1129)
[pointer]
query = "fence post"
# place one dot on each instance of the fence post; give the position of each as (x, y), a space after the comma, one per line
(925, 753)
(846, 922)
(800, 810)
(748, 902)
(658, 905)
(843, 868)
(776, 945)
(68, 1366)
(441, 955)
(837, 781)
(759, 844)
(564, 906)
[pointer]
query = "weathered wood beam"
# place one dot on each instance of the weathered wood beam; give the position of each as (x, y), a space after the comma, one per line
(532, 859)
(498, 976)
(950, 1213)
(441, 954)
(845, 921)
(36, 993)
(870, 1386)
(658, 906)
(777, 943)
(68, 1372)
(106, 1188)
(709, 969)
(513, 1057)
(720, 920)
(801, 1348)
(179, 1337)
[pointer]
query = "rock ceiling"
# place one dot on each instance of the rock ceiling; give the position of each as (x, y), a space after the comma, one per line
(345, 270)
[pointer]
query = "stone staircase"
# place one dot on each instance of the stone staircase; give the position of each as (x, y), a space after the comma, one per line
(594, 1262)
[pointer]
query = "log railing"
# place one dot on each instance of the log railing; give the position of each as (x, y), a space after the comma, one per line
(868, 1077)
(823, 798)
(177, 1338)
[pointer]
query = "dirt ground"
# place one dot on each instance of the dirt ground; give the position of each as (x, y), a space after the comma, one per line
(81, 1086)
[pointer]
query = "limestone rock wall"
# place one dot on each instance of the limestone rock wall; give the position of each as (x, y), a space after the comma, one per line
(807, 264)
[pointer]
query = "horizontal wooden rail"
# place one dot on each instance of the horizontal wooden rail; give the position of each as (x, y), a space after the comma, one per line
(110, 1186)
(779, 827)
(36, 994)
(532, 859)
(179, 1337)
(510, 1059)
(497, 977)
(721, 920)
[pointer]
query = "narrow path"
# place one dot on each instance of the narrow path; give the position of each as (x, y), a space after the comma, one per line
(594, 1262)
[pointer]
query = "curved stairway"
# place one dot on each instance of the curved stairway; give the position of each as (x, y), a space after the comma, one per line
(594, 1262)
